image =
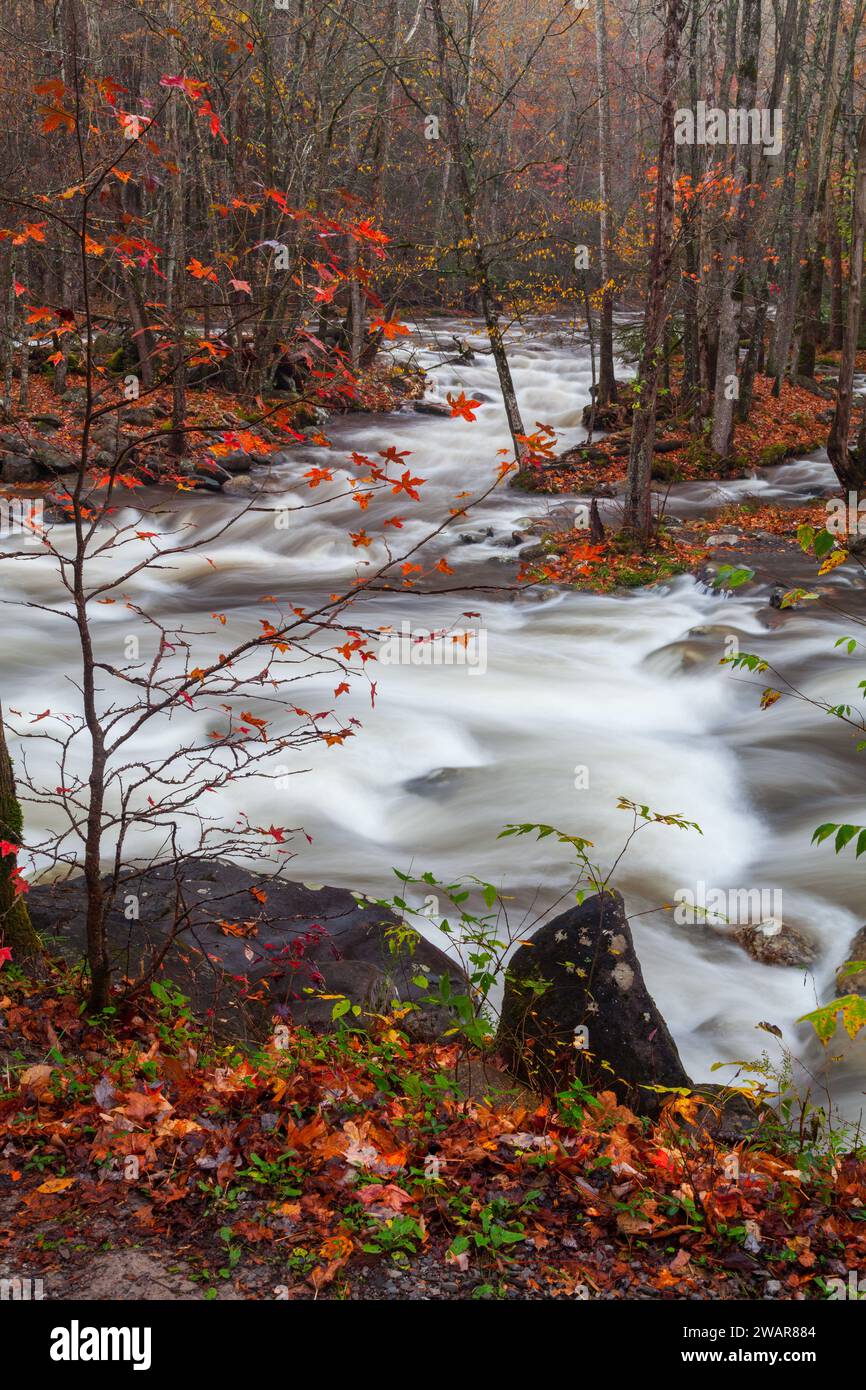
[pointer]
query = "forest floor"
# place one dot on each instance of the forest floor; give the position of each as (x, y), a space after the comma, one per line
(793, 424)
(138, 1160)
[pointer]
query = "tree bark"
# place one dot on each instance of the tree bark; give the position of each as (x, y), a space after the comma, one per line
(16, 929)
(850, 468)
(638, 512)
(727, 359)
(606, 380)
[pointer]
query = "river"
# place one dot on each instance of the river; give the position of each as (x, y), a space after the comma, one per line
(584, 698)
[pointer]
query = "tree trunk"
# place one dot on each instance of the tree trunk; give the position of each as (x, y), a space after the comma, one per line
(813, 294)
(638, 513)
(836, 328)
(16, 929)
(727, 360)
(606, 379)
(850, 468)
(460, 146)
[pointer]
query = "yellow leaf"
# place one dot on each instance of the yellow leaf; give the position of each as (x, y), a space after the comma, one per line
(56, 1185)
(836, 557)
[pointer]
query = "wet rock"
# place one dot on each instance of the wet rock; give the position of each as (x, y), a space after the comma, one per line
(238, 957)
(856, 983)
(725, 538)
(204, 474)
(475, 537)
(239, 485)
(776, 943)
(531, 553)
(576, 1004)
(240, 462)
(506, 542)
(432, 408)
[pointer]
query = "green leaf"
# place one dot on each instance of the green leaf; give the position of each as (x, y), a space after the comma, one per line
(846, 833)
(341, 1007)
(823, 832)
(852, 1008)
(795, 596)
(824, 542)
(805, 537)
(731, 576)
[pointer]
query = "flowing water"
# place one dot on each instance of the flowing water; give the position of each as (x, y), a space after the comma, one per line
(582, 699)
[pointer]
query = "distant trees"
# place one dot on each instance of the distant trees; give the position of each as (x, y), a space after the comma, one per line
(492, 139)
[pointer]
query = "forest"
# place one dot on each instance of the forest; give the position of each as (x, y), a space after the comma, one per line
(433, 685)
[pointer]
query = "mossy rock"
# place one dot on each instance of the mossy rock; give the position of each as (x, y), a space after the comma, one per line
(773, 453)
(667, 471)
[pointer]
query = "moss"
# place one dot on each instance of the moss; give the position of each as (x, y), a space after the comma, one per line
(666, 470)
(773, 453)
(16, 929)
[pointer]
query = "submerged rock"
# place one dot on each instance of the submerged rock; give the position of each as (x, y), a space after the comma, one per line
(576, 1005)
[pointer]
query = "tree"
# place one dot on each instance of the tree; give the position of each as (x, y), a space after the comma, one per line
(729, 315)
(638, 502)
(850, 465)
(606, 389)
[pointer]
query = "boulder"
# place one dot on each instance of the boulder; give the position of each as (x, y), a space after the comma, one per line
(16, 469)
(14, 443)
(54, 460)
(776, 943)
(249, 946)
(856, 983)
(239, 461)
(139, 415)
(47, 421)
(576, 1005)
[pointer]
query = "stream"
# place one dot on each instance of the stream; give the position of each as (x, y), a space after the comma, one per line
(581, 699)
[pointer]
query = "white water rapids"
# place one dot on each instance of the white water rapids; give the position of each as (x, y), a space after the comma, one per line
(624, 686)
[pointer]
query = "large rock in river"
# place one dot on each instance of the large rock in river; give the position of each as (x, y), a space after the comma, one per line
(576, 1004)
(249, 946)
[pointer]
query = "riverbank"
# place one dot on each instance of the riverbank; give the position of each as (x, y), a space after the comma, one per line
(141, 1161)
